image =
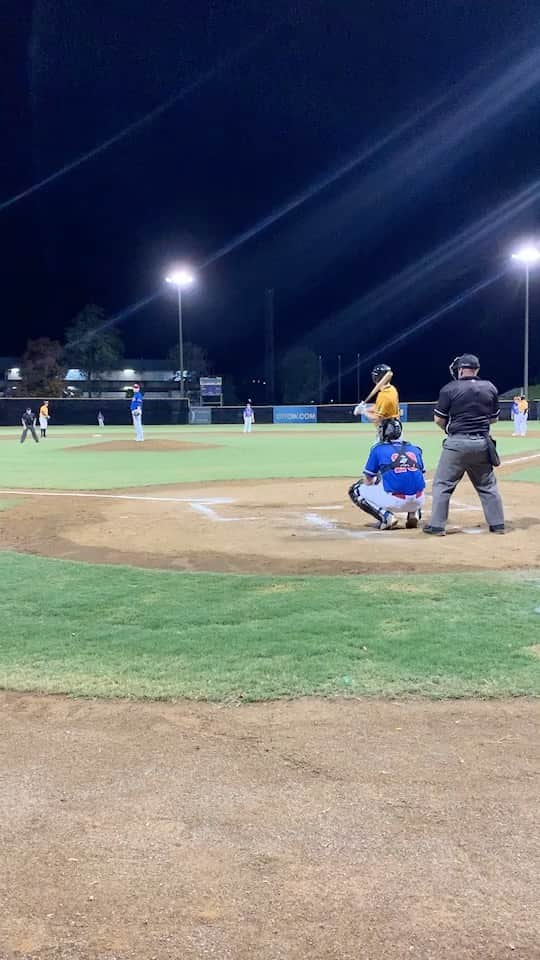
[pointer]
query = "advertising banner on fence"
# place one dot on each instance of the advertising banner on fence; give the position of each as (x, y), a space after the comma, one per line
(403, 414)
(295, 414)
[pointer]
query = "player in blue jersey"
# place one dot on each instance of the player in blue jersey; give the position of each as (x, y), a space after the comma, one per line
(393, 479)
(137, 412)
(248, 417)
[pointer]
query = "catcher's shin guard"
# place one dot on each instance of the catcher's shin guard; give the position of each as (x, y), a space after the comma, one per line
(358, 500)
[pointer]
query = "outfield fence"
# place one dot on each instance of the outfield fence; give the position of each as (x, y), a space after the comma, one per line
(327, 413)
(84, 412)
(177, 411)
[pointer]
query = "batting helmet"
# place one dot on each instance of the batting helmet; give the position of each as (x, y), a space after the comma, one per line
(389, 430)
(379, 371)
(467, 361)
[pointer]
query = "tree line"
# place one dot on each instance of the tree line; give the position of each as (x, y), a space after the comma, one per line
(93, 346)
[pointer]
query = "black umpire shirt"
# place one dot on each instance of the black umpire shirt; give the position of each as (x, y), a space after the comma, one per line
(468, 405)
(28, 419)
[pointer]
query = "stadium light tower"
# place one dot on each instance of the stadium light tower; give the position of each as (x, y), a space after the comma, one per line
(528, 256)
(181, 278)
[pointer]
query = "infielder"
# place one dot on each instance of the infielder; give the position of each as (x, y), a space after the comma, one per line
(249, 417)
(393, 479)
(137, 412)
(466, 409)
(520, 410)
(100, 420)
(44, 417)
(28, 421)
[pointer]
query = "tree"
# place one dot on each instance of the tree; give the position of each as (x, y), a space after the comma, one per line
(92, 345)
(43, 369)
(195, 360)
(299, 375)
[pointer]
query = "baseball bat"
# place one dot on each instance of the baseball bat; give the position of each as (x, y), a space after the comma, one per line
(385, 379)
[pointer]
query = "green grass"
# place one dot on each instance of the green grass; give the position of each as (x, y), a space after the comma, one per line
(529, 475)
(116, 631)
(328, 450)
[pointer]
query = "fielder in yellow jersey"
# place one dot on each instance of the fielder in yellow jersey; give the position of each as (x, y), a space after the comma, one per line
(44, 417)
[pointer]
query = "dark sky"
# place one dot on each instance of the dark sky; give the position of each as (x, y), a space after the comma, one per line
(438, 101)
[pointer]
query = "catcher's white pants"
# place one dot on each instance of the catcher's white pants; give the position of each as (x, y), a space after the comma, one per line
(520, 424)
(377, 496)
(248, 423)
(137, 423)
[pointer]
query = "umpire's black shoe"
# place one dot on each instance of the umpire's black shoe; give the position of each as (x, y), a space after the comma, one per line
(497, 528)
(434, 531)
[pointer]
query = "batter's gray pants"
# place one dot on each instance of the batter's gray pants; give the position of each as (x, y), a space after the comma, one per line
(460, 455)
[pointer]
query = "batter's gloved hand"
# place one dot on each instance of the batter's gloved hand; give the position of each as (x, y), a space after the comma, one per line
(359, 409)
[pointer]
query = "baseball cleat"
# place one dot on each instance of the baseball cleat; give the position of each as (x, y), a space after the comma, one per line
(390, 522)
(434, 531)
(412, 521)
(497, 528)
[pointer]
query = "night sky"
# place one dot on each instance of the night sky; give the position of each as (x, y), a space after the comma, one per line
(409, 133)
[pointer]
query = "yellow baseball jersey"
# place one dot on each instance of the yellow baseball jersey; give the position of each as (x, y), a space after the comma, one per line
(44, 410)
(387, 402)
(523, 406)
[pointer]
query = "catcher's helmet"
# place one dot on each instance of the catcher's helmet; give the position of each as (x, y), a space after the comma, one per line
(379, 371)
(466, 361)
(389, 430)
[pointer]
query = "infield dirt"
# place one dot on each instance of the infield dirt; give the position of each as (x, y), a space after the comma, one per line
(269, 526)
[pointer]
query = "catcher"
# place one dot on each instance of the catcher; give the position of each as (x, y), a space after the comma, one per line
(386, 406)
(393, 479)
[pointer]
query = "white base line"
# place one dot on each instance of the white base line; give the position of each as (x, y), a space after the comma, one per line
(508, 463)
(114, 496)
(209, 500)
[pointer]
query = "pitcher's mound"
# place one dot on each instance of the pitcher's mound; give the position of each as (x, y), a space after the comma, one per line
(120, 446)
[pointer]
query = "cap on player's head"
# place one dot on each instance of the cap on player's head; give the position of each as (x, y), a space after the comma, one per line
(136, 386)
(379, 371)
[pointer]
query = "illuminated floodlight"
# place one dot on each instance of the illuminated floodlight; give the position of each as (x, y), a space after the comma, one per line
(129, 372)
(528, 255)
(182, 277)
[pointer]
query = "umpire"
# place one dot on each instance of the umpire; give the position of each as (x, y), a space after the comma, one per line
(28, 421)
(467, 407)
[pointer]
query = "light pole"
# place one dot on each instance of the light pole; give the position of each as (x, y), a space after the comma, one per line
(339, 376)
(320, 379)
(358, 375)
(180, 278)
(529, 257)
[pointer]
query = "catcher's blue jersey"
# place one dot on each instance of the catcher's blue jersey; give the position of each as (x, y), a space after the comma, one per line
(400, 465)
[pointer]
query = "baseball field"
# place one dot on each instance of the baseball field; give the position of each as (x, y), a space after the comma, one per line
(238, 721)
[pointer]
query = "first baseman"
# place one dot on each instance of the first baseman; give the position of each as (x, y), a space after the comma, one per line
(248, 417)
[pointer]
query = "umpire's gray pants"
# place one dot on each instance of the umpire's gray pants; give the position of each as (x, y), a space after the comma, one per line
(460, 455)
(26, 431)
